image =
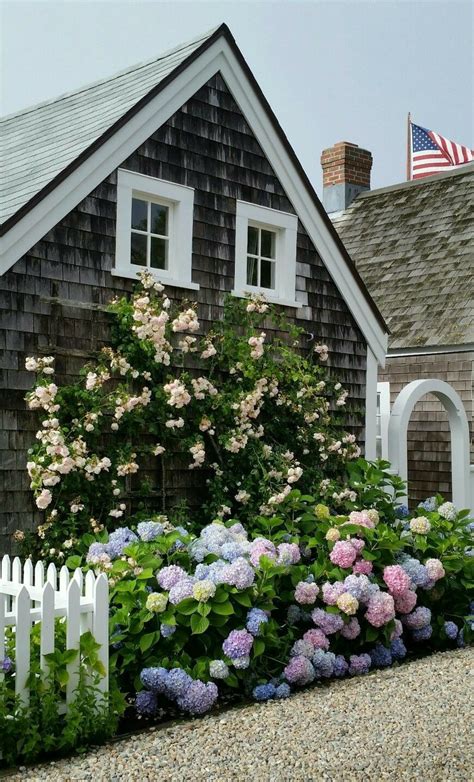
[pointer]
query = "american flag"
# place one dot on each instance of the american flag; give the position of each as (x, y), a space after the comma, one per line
(432, 153)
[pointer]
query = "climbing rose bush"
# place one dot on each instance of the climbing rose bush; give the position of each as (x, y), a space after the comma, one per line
(254, 412)
(322, 595)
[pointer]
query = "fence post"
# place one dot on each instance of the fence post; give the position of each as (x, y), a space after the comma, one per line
(47, 625)
(22, 644)
(101, 626)
(73, 613)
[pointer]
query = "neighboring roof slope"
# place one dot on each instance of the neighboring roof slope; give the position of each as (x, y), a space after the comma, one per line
(40, 141)
(413, 245)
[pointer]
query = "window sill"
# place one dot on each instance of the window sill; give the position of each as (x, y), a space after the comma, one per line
(270, 299)
(131, 274)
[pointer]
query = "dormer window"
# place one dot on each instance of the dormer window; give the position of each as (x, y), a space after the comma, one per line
(154, 229)
(265, 253)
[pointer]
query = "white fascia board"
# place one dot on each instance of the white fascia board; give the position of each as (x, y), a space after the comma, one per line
(219, 57)
(371, 406)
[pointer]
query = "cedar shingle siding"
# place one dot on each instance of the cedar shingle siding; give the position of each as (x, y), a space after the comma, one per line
(54, 297)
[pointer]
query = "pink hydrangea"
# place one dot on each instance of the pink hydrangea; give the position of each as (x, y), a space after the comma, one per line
(261, 547)
(288, 554)
(381, 609)
(435, 569)
(361, 518)
(299, 671)
(398, 629)
(316, 637)
(358, 544)
(352, 629)
(397, 580)
(405, 602)
(305, 593)
(332, 591)
(362, 567)
(343, 554)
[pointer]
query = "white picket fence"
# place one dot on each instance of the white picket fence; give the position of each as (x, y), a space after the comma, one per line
(31, 594)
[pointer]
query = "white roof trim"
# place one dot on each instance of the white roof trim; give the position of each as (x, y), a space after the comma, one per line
(218, 57)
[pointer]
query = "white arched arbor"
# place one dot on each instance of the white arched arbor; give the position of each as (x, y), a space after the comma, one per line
(460, 451)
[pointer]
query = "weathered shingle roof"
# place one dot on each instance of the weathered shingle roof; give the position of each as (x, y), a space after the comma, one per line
(39, 142)
(413, 245)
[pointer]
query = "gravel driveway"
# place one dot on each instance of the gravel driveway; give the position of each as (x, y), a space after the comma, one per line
(408, 723)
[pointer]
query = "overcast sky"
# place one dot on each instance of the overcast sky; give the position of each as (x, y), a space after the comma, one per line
(331, 71)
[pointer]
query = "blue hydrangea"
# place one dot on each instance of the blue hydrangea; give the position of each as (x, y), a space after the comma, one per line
(429, 504)
(177, 683)
(96, 550)
(417, 572)
(156, 679)
(341, 666)
(146, 703)
(302, 648)
(197, 697)
(398, 649)
(282, 691)
(422, 633)
(451, 629)
(233, 550)
(119, 540)
(201, 572)
(264, 692)
(167, 630)
(401, 511)
(323, 663)
(381, 656)
(149, 530)
(6, 665)
(255, 618)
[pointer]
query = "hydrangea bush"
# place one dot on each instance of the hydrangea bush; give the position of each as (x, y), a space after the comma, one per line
(323, 595)
(248, 404)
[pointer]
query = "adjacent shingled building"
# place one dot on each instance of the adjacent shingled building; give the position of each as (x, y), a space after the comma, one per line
(413, 244)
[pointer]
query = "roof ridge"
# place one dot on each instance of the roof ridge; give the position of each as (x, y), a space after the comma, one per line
(465, 168)
(106, 79)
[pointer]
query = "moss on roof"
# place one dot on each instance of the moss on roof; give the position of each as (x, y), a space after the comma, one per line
(413, 245)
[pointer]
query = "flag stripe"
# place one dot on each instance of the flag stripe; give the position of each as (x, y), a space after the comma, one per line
(431, 153)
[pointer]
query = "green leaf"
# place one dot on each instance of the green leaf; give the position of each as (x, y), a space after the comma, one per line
(73, 562)
(146, 641)
(199, 624)
(243, 599)
(187, 606)
(258, 647)
(223, 609)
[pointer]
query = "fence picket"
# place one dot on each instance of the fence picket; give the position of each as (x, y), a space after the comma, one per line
(39, 574)
(16, 570)
(79, 576)
(51, 575)
(28, 573)
(2, 631)
(100, 626)
(72, 637)
(47, 625)
(6, 568)
(22, 644)
(63, 579)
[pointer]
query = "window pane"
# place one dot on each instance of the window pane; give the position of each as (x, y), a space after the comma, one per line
(139, 214)
(268, 244)
(267, 274)
(252, 271)
(252, 240)
(138, 249)
(159, 219)
(159, 253)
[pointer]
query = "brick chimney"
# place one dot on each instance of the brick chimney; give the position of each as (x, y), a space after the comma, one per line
(346, 173)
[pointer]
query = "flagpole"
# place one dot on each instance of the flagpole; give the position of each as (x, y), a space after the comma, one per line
(408, 147)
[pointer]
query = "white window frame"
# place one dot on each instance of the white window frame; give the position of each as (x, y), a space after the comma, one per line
(383, 419)
(285, 226)
(180, 200)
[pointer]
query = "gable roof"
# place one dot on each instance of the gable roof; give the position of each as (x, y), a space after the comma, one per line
(413, 244)
(130, 117)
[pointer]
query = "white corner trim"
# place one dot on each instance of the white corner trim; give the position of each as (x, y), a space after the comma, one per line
(219, 57)
(383, 392)
(371, 406)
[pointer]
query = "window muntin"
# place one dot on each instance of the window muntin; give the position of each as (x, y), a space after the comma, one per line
(261, 257)
(150, 235)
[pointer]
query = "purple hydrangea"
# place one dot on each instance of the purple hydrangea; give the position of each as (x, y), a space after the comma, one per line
(96, 550)
(198, 697)
(422, 633)
(359, 664)
(156, 679)
(177, 683)
(146, 703)
(119, 540)
(299, 671)
(264, 692)
(451, 629)
(149, 530)
(288, 554)
(6, 665)
(417, 572)
(352, 629)
(255, 618)
(323, 663)
(359, 587)
(302, 648)
(181, 590)
(329, 623)
(401, 511)
(429, 504)
(341, 666)
(381, 656)
(239, 574)
(398, 649)
(167, 630)
(282, 691)
(169, 576)
(238, 644)
(420, 617)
